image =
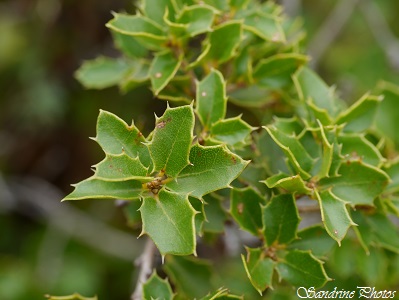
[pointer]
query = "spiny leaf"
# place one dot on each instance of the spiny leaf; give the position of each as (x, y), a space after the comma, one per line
(293, 184)
(259, 268)
(245, 209)
(211, 98)
(157, 288)
(155, 9)
(198, 18)
(212, 168)
(171, 141)
(280, 219)
(163, 69)
(231, 131)
(328, 152)
(265, 26)
(334, 215)
(169, 220)
(93, 188)
(302, 269)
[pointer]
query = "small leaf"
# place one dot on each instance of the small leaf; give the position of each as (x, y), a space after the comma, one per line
(328, 152)
(280, 219)
(157, 288)
(215, 215)
(292, 184)
(334, 215)
(221, 294)
(245, 209)
(265, 26)
(102, 72)
(172, 139)
(259, 268)
(302, 269)
(75, 296)
(357, 183)
(198, 18)
(231, 131)
(163, 69)
(93, 188)
(169, 221)
(211, 98)
(129, 45)
(155, 9)
(212, 168)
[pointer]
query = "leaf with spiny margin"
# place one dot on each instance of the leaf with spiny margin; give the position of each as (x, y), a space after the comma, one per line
(211, 98)
(357, 184)
(102, 72)
(215, 215)
(121, 167)
(259, 268)
(265, 26)
(230, 33)
(199, 19)
(171, 140)
(155, 10)
(231, 131)
(116, 137)
(275, 71)
(280, 219)
(221, 294)
(328, 152)
(75, 296)
(212, 168)
(147, 32)
(190, 275)
(292, 184)
(289, 126)
(310, 85)
(245, 208)
(360, 115)
(296, 153)
(163, 68)
(157, 288)
(315, 239)
(302, 269)
(169, 220)
(334, 215)
(355, 147)
(93, 188)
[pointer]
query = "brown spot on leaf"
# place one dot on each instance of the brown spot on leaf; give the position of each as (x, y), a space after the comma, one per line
(240, 208)
(162, 124)
(234, 160)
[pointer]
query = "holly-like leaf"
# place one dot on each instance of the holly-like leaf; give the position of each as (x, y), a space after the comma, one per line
(259, 268)
(199, 19)
(212, 168)
(171, 141)
(116, 137)
(276, 71)
(334, 215)
(102, 72)
(328, 153)
(293, 184)
(157, 288)
(357, 183)
(168, 219)
(302, 269)
(245, 209)
(155, 9)
(231, 131)
(211, 98)
(265, 26)
(163, 69)
(280, 219)
(147, 32)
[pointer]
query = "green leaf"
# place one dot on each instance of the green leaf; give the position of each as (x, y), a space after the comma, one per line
(231, 131)
(221, 294)
(357, 183)
(198, 18)
(176, 90)
(157, 288)
(211, 98)
(252, 96)
(315, 239)
(116, 137)
(212, 168)
(200, 217)
(230, 33)
(292, 184)
(132, 214)
(360, 115)
(169, 220)
(328, 153)
(191, 276)
(265, 26)
(393, 172)
(238, 4)
(386, 233)
(93, 188)
(75, 296)
(302, 269)
(280, 219)
(129, 46)
(276, 71)
(171, 141)
(296, 153)
(310, 85)
(215, 215)
(334, 215)
(155, 9)
(163, 69)
(121, 167)
(245, 209)
(259, 268)
(146, 32)
(102, 72)
(219, 4)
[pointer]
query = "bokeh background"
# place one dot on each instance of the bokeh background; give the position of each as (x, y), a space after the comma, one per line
(46, 117)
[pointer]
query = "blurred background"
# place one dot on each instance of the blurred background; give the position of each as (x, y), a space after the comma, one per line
(46, 118)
